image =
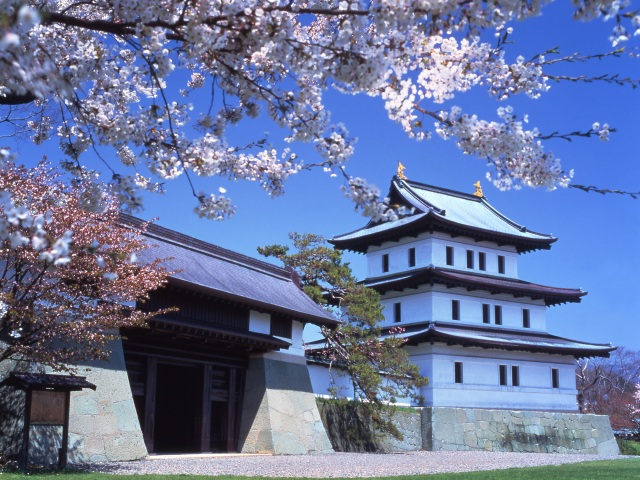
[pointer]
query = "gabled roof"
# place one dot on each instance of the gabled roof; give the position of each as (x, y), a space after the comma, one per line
(204, 267)
(443, 210)
(503, 339)
(473, 281)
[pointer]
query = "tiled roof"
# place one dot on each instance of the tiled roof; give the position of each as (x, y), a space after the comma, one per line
(47, 381)
(440, 209)
(474, 281)
(222, 273)
(502, 338)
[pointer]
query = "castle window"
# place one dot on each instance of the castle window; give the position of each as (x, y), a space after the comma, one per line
(457, 375)
(450, 256)
(397, 312)
(526, 318)
(555, 378)
(501, 264)
(497, 314)
(412, 257)
(503, 375)
(515, 375)
(469, 258)
(281, 326)
(482, 261)
(455, 309)
(385, 262)
(486, 313)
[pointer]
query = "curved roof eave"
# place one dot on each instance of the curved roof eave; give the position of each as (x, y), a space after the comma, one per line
(492, 284)
(582, 350)
(429, 217)
(431, 222)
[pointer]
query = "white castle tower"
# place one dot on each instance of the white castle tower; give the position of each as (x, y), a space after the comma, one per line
(448, 275)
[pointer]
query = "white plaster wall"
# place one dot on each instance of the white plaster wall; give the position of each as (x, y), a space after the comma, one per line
(481, 388)
(399, 255)
(434, 304)
(481, 379)
(431, 250)
(296, 347)
(259, 322)
(416, 307)
(321, 377)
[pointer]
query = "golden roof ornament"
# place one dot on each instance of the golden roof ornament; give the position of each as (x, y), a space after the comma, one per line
(478, 192)
(401, 169)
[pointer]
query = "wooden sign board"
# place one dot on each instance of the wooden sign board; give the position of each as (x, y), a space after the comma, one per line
(47, 407)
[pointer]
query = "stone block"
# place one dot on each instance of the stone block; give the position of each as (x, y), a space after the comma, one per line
(85, 405)
(124, 447)
(280, 414)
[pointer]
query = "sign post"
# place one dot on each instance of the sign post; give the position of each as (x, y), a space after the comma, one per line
(47, 401)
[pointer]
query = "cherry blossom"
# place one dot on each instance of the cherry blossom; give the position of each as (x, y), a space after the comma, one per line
(127, 78)
(68, 275)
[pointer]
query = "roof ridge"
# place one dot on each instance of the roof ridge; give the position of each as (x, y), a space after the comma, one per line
(458, 193)
(202, 246)
(470, 196)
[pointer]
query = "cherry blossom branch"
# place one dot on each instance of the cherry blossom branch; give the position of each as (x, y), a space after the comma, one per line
(604, 191)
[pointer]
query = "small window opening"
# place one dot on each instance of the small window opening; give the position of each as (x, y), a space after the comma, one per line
(497, 314)
(503, 375)
(455, 309)
(458, 372)
(482, 261)
(486, 313)
(412, 257)
(450, 256)
(501, 264)
(397, 312)
(515, 376)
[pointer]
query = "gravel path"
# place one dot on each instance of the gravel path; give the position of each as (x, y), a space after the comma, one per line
(343, 464)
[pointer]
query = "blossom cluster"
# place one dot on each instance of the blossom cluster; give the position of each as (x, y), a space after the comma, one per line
(20, 226)
(517, 154)
(366, 198)
(123, 74)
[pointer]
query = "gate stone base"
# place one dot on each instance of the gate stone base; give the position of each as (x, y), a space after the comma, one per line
(516, 431)
(279, 414)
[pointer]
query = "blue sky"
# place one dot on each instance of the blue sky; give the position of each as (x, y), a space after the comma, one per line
(598, 235)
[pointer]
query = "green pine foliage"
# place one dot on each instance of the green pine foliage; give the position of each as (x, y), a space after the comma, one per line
(379, 369)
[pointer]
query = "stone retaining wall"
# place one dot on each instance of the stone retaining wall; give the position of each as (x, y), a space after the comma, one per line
(517, 431)
(351, 429)
(441, 428)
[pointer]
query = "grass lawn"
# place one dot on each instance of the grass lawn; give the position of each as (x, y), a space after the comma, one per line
(628, 447)
(626, 469)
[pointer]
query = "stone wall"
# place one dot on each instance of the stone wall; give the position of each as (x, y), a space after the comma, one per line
(279, 414)
(103, 424)
(441, 428)
(11, 416)
(352, 429)
(517, 431)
